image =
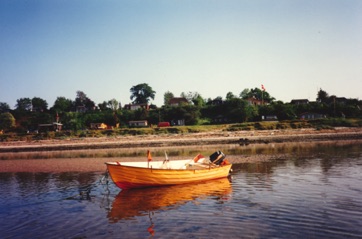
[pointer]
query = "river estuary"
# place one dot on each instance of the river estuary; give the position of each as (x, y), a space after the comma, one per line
(314, 193)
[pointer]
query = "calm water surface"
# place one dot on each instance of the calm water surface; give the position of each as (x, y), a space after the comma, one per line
(302, 196)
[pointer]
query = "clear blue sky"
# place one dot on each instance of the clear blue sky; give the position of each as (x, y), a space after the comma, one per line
(52, 48)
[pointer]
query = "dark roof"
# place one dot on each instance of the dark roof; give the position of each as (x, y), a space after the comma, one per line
(300, 101)
(177, 100)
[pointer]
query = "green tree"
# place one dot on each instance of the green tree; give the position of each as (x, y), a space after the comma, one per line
(141, 114)
(126, 116)
(23, 104)
(39, 105)
(322, 96)
(154, 116)
(190, 96)
(62, 104)
(245, 93)
(167, 97)
(4, 107)
(238, 110)
(73, 121)
(283, 111)
(103, 106)
(7, 121)
(194, 97)
(142, 93)
(230, 96)
(83, 101)
(198, 101)
(235, 110)
(213, 112)
(217, 101)
(36, 118)
(189, 113)
(113, 104)
(257, 94)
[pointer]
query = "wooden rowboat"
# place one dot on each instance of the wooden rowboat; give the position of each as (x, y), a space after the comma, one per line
(127, 175)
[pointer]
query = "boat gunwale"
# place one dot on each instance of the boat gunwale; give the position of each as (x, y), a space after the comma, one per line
(207, 167)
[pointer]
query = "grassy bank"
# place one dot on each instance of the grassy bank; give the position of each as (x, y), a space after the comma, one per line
(297, 124)
(319, 124)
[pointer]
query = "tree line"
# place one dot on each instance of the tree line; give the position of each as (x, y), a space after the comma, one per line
(249, 105)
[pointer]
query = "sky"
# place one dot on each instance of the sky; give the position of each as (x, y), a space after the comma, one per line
(51, 49)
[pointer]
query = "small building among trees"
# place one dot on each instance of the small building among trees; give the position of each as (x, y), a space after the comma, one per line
(177, 101)
(137, 106)
(300, 102)
(55, 126)
(312, 116)
(98, 126)
(254, 101)
(138, 123)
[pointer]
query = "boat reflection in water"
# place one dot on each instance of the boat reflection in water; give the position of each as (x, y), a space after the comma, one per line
(141, 202)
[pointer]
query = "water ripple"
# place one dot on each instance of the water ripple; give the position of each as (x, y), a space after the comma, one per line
(312, 197)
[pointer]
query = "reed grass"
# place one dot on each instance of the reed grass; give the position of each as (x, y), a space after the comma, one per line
(98, 153)
(292, 149)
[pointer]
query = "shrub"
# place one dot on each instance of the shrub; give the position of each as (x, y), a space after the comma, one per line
(282, 126)
(265, 125)
(248, 128)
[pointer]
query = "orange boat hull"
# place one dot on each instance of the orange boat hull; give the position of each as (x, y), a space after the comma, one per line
(127, 177)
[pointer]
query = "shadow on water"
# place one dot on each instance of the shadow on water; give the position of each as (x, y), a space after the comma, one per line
(130, 204)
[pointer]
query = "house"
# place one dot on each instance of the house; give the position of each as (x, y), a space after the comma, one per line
(300, 102)
(177, 101)
(55, 126)
(98, 126)
(217, 101)
(311, 116)
(254, 101)
(220, 119)
(338, 100)
(269, 118)
(136, 106)
(138, 123)
(178, 122)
